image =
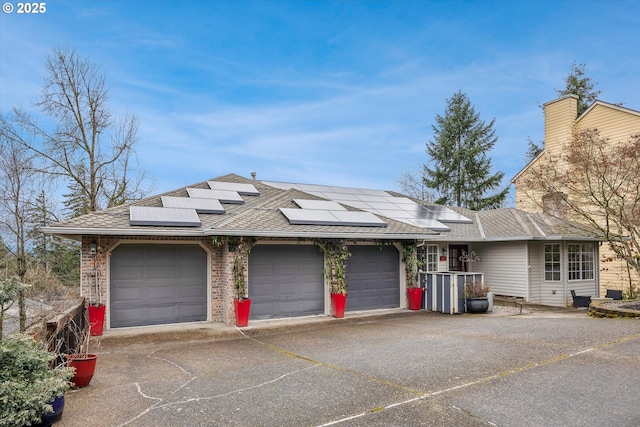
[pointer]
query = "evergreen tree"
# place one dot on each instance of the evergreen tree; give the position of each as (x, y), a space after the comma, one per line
(578, 84)
(460, 170)
(533, 150)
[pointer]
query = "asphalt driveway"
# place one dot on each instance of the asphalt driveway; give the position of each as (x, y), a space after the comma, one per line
(402, 369)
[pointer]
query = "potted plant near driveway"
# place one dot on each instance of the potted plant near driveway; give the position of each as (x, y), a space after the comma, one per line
(475, 293)
(96, 307)
(241, 302)
(336, 255)
(411, 263)
(80, 358)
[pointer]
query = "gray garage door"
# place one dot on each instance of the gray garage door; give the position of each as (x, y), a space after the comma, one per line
(158, 284)
(373, 278)
(285, 281)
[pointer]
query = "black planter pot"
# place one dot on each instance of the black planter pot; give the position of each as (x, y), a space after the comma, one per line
(477, 305)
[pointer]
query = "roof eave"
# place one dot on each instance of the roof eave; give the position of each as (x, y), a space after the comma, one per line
(78, 232)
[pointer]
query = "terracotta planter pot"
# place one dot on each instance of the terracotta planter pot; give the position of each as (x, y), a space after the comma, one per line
(85, 365)
(414, 295)
(338, 302)
(96, 319)
(242, 311)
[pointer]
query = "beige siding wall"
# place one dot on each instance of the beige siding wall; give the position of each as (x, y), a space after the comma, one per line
(612, 123)
(560, 119)
(614, 273)
(504, 265)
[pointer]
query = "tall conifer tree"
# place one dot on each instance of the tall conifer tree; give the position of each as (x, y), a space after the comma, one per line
(460, 170)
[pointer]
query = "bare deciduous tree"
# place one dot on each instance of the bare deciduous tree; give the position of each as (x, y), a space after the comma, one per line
(412, 184)
(88, 148)
(17, 189)
(598, 181)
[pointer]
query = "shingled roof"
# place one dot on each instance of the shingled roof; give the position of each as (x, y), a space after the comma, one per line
(258, 216)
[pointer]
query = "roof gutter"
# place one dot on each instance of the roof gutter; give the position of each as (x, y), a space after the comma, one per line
(253, 233)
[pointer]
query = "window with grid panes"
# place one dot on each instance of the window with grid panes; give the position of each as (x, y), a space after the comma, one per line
(432, 258)
(580, 261)
(552, 261)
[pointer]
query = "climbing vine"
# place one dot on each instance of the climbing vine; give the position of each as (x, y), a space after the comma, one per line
(411, 263)
(241, 246)
(336, 255)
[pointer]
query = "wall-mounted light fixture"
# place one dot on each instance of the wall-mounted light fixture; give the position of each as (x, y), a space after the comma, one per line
(444, 250)
(93, 248)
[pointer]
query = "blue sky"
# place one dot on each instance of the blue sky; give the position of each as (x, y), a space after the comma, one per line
(340, 93)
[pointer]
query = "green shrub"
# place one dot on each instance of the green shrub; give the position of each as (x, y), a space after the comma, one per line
(26, 381)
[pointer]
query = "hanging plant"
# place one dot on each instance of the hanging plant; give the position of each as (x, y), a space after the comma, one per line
(336, 255)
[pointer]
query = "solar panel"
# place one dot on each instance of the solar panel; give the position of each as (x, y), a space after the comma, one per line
(381, 203)
(325, 217)
(224, 196)
(174, 217)
(206, 206)
(431, 224)
(445, 214)
(358, 218)
(243, 189)
(326, 205)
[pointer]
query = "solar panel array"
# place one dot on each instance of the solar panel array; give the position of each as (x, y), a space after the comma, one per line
(224, 196)
(173, 217)
(208, 206)
(326, 205)
(328, 217)
(242, 189)
(183, 211)
(381, 203)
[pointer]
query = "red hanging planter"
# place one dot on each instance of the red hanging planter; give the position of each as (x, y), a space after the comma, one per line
(414, 295)
(338, 302)
(242, 311)
(96, 319)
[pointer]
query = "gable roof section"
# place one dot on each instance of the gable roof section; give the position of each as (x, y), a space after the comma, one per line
(512, 224)
(596, 103)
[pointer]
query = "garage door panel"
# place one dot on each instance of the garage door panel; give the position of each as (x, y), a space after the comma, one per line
(158, 284)
(373, 278)
(131, 293)
(285, 281)
(187, 291)
(127, 272)
(160, 271)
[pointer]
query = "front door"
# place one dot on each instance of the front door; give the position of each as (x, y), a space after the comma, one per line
(455, 257)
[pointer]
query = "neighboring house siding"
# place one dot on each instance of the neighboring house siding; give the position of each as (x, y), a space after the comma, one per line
(559, 119)
(610, 122)
(615, 123)
(504, 265)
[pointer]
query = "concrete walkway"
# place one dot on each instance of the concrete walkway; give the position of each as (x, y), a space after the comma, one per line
(542, 368)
